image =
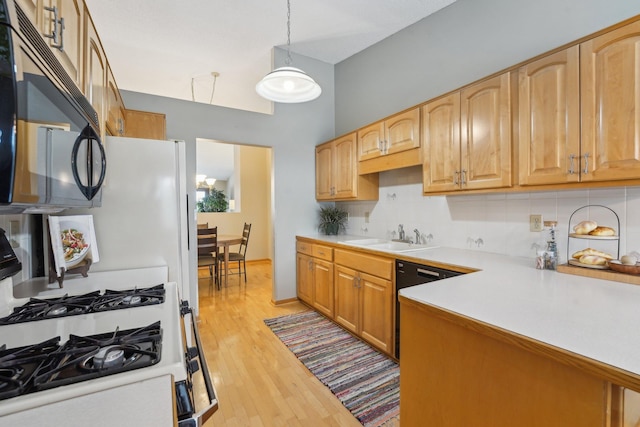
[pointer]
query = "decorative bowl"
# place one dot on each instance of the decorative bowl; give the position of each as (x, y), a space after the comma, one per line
(616, 265)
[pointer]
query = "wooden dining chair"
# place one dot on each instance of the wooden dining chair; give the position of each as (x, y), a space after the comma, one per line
(208, 252)
(203, 225)
(240, 255)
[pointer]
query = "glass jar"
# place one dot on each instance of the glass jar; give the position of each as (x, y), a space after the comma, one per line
(551, 254)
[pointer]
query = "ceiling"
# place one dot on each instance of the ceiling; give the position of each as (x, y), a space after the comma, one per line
(171, 48)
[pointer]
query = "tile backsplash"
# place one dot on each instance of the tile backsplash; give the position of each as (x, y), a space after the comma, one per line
(497, 222)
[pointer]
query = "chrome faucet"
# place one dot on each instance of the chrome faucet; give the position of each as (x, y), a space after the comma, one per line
(400, 232)
(418, 238)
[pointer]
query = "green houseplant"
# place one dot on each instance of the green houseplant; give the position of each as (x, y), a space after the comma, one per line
(332, 220)
(215, 201)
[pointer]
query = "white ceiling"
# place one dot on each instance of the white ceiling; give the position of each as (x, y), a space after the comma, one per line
(160, 46)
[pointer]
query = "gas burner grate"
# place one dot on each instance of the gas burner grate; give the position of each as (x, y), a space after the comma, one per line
(18, 366)
(48, 365)
(40, 309)
(83, 358)
(116, 300)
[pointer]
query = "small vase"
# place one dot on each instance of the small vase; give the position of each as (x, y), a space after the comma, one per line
(332, 228)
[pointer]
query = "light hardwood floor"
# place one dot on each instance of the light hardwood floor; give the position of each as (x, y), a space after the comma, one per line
(259, 382)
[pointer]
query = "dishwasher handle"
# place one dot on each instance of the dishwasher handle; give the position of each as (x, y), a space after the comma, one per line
(427, 273)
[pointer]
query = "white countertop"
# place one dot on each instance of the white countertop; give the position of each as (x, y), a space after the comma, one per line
(595, 318)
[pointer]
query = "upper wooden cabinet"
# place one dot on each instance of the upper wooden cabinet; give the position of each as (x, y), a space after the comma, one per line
(115, 107)
(59, 22)
(397, 137)
(145, 124)
(62, 26)
(549, 119)
(337, 175)
(441, 144)
(610, 95)
(476, 155)
(95, 70)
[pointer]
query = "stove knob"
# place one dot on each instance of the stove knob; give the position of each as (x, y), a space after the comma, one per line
(193, 366)
(191, 353)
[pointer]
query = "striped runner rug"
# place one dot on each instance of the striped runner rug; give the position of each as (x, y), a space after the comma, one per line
(366, 381)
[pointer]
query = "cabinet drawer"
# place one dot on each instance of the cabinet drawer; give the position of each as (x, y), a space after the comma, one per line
(322, 252)
(377, 266)
(314, 250)
(304, 248)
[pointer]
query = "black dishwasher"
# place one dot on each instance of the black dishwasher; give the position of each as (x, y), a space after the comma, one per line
(411, 274)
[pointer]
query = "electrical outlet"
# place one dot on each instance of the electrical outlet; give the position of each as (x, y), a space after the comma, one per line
(366, 217)
(535, 222)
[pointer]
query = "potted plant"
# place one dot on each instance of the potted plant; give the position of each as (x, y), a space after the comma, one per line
(215, 201)
(332, 220)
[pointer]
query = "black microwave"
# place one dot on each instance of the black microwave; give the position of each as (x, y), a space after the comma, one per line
(51, 156)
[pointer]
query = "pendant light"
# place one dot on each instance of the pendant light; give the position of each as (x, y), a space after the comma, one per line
(288, 84)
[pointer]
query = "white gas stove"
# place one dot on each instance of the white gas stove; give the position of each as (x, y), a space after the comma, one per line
(148, 394)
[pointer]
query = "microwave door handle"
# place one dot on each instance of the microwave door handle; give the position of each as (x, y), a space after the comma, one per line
(89, 191)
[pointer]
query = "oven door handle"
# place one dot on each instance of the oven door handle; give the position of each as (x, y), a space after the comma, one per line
(202, 416)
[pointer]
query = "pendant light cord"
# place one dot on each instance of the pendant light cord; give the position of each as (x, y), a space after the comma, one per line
(288, 60)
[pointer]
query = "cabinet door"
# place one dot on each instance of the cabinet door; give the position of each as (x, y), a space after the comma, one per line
(323, 298)
(402, 132)
(370, 141)
(304, 276)
(377, 308)
(145, 124)
(344, 171)
(67, 28)
(549, 119)
(441, 144)
(95, 71)
(324, 171)
(485, 134)
(115, 107)
(610, 89)
(347, 303)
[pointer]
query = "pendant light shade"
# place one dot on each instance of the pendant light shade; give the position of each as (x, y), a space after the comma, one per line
(288, 84)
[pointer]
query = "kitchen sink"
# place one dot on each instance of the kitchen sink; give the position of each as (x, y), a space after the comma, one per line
(363, 242)
(399, 246)
(386, 245)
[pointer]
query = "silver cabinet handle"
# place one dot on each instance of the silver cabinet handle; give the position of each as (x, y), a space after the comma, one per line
(571, 157)
(586, 163)
(455, 177)
(56, 36)
(310, 264)
(463, 177)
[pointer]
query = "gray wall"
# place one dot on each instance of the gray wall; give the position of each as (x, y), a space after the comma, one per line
(461, 43)
(464, 42)
(293, 131)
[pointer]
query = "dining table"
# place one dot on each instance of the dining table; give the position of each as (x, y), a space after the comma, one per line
(224, 241)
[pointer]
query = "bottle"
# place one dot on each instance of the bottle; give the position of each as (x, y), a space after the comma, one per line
(551, 254)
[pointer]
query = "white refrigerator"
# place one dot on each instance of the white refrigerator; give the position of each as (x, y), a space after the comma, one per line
(144, 219)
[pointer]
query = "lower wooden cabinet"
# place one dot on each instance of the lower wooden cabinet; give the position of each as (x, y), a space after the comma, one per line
(315, 276)
(456, 372)
(364, 297)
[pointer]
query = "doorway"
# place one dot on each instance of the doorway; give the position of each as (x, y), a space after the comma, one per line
(244, 173)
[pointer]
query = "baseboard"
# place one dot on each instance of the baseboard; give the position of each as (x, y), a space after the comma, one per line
(284, 301)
